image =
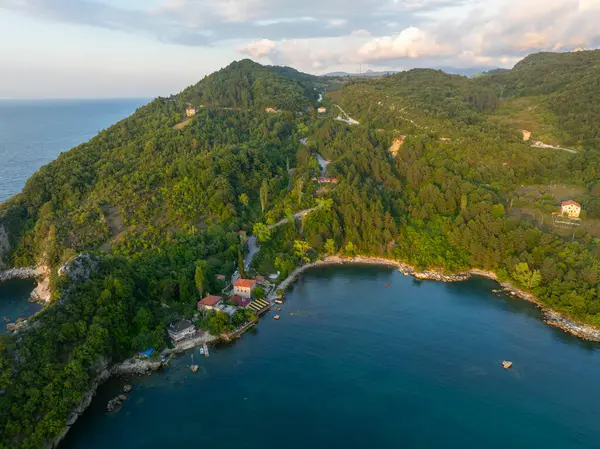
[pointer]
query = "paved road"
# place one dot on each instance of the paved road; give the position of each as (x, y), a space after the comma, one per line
(323, 163)
(348, 119)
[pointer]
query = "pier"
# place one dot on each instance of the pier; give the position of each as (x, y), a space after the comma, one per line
(206, 353)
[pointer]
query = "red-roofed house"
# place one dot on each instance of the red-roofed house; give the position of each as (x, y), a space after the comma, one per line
(240, 302)
(570, 208)
(244, 287)
(209, 303)
(220, 277)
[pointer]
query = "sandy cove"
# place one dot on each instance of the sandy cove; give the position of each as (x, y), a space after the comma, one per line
(551, 317)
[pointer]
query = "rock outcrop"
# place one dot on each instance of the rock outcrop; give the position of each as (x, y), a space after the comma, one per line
(79, 268)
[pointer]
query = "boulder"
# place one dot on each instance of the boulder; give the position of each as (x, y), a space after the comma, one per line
(127, 388)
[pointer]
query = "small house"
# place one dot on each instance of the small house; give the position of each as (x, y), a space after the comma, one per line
(270, 110)
(209, 303)
(526, 135)
(322, 110)
(190, 112)
(244, 287)
(181, 330)
(240, 301)
(570, 208)
(220, 277)
(260, 279)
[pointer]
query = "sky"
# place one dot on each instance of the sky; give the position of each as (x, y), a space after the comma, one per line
(146, 48)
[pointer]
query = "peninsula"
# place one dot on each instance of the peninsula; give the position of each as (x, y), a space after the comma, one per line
(258, 170)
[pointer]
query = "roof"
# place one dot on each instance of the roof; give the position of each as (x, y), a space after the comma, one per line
(180, 326)
(249, 283)
(241, 302)
(571, 203)
(220, 277)
(210, 301)
(260, 278)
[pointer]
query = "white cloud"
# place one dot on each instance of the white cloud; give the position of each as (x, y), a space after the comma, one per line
(258, 49)
(409, 43)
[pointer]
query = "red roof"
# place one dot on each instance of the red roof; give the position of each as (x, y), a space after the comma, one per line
(210, 301)
(241, 302)
(249, 283)
(571, 203)
(260, 278)
(220, 277)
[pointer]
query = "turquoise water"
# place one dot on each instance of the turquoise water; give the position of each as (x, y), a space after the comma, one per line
(13, 301)
(35, 132)
(359, 365)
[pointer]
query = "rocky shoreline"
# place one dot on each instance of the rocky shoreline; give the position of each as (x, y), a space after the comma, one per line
(550, 317)
(137, 366)
(41, 293)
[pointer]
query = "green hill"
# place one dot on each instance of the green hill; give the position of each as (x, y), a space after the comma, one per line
(158, 209)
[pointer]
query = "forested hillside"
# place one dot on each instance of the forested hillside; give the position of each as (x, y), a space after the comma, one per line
(159, 207)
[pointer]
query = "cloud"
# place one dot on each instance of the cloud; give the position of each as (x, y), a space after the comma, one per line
(316, 35)
(258, 49)
(409, 43)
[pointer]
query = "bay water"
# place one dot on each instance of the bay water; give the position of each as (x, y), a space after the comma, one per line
(355, 364)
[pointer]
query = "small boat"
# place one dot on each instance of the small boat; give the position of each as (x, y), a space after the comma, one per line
(278, 301)
(276, 317)
(507, 364)
(201, 351)
(194, 368)
(388, 285)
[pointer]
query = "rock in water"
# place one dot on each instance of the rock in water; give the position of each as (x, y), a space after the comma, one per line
(127, 388)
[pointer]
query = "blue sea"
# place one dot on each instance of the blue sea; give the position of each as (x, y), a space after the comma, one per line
(355, 364)
(35, 132)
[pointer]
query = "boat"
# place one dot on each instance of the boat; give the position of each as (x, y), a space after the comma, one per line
(278, 301)
(201, 351)
(276, 317)
(507, 364)
(194, 368)
(388, 285)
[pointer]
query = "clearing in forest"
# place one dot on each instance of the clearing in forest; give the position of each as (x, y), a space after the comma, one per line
(183, 124)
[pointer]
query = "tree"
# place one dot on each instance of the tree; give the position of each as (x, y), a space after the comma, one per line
(330, 247)
(350, 249)
(264, 195)
(262, 232)
(301, 248)
(200, 276)
(241, 263)
(526, 277)
(259, 293)
(298, 190)
(244, 199)
(498, 211)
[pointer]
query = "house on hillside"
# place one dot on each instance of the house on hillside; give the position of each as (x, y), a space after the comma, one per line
(220, 277)
(240, 301)
(322, 110)
(209, 303)
(570, 208)
(190, 112)
(271, 110)
(526, 135)
(181, 330)
(244, 287)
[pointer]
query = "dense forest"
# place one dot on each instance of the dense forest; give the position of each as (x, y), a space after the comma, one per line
(155, 203)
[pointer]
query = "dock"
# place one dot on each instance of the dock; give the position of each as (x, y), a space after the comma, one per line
(206, 354)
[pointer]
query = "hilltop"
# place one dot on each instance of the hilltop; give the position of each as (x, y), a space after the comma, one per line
(158, 208)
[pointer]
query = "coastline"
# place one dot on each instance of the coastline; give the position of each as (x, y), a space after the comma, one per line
(137, 366)
(549, 316)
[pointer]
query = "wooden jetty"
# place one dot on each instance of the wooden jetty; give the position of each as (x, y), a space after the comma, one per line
(206, 354)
